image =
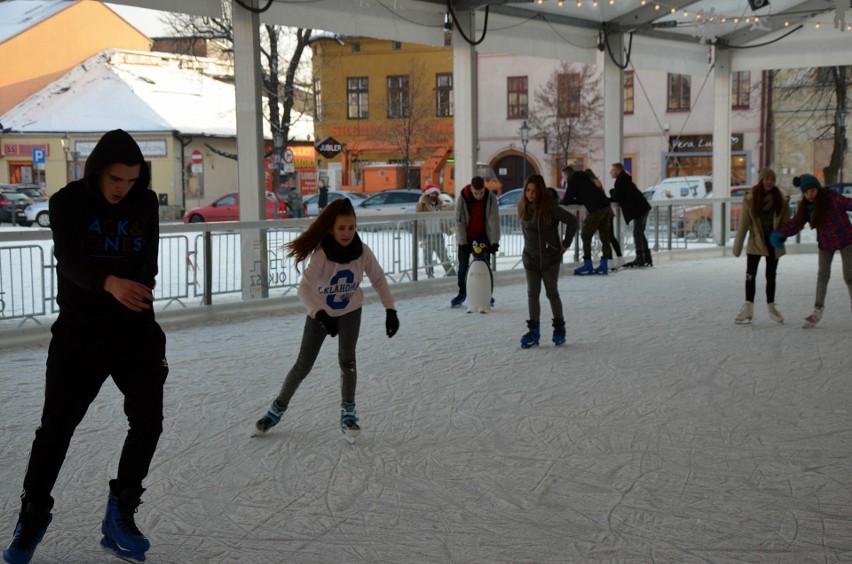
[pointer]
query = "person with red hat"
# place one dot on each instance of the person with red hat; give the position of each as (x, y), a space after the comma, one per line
(431, 231)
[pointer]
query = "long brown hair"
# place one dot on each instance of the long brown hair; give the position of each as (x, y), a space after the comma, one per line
(758, 193)
(818, 215)
(303, 245)
(541, 202)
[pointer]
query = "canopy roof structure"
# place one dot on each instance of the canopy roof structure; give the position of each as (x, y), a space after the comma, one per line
(671, 35)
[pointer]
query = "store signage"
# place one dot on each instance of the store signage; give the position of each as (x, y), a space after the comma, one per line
(329, 147)
(700, 143)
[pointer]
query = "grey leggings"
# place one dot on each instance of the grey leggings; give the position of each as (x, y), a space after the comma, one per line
(313, 336)
(824, 273)
(550, 277)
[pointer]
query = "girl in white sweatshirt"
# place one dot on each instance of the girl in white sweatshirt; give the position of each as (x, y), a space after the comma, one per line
(331, 291)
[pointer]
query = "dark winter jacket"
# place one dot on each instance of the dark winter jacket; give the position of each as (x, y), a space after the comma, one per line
(836, 232)
(542, 246)
(580, 190)
(627, 195)
(94, 238)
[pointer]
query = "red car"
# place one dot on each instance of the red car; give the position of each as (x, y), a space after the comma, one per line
(227, 208)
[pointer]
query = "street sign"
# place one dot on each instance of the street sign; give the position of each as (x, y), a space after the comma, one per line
(329, 147)
(197, 157)
(38, 158)
(288, 156)
(196, 162)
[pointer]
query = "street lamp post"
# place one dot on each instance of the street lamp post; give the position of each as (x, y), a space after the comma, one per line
(66, 147)
(525, 138)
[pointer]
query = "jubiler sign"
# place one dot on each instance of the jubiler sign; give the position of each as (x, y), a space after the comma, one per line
(329, 147)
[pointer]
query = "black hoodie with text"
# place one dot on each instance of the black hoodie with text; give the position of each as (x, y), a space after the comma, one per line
(94, 238)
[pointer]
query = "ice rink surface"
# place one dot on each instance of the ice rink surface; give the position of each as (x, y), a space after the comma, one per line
(661, 432)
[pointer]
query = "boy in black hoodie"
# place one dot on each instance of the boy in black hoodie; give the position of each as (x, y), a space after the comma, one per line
(106, 237)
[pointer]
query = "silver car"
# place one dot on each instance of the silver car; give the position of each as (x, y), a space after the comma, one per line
(37, 214)
(313, 208)
(389, 202)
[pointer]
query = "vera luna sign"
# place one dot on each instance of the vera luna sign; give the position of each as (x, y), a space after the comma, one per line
(700, 143)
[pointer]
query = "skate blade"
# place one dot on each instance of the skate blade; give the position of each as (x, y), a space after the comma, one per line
(349, 436)
(258, 432)
(111, 548)
(743, 322)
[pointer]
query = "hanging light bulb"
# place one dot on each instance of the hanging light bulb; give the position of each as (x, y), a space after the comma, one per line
(817, 25)
(595, 4)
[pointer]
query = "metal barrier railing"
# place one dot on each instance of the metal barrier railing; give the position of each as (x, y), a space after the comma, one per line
(198, 262)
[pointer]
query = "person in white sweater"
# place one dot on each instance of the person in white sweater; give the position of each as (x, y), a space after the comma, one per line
(330, 290)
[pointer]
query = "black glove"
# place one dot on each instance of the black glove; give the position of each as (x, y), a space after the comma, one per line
(391, 322)
(328, 322)
(466, 248)
(494, 248)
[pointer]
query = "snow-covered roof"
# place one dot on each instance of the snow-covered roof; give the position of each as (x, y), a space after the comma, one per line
(137, 91)
(17, 16)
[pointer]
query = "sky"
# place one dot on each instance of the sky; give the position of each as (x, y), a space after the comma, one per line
(145, 20)
(661, 432)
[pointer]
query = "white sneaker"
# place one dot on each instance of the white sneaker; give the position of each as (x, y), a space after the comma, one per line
(745, 315)
(813, 318)
(616, 264)
(774, 313)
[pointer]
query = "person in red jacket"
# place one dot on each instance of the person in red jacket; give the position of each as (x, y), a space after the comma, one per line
(106, 241)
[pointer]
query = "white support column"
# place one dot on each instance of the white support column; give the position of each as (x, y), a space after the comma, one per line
(721, 138)
(250, 148)
(613, 85)
(465, 104)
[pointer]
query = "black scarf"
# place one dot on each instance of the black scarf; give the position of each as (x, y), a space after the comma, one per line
(340, 254)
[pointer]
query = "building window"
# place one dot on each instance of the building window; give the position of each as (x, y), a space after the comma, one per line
(398, 95)
(357, 96)
(444, 95)
(628, 92)
(679, 92)
(356, 47)
(317, 100)
(396, 46)
(518, 99)
(740, 90)
(569, 89)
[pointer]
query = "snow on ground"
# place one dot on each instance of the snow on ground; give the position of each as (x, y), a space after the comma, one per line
(661, 432)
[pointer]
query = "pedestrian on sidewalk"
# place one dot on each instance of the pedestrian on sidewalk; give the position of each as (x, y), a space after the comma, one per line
(331, 292)
(106, 242)
(540, 215)
(764, 209)
(826, 211)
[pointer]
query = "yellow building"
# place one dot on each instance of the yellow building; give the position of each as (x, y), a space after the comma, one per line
(376, 98)
(45, 39)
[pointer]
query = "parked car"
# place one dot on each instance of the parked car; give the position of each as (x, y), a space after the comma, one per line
(682, 188)
(845, 188)
(12, 205)
(696, 222)
(33, 191)
(312, 209)
(389, 202)
(511, 198)
(227, 208)
(37, 214)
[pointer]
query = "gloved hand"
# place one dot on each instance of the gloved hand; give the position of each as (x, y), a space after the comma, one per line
(776, 239)
(328, 322)
(494, 248)
(467, 248)
(391, 322)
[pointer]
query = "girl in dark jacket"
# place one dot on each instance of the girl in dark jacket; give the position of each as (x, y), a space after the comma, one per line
(540, 215)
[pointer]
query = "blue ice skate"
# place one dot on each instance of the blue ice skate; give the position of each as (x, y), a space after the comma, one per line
(349, 422)
(121, 536)
(32, 524)
(269, 420)
(533, 335)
